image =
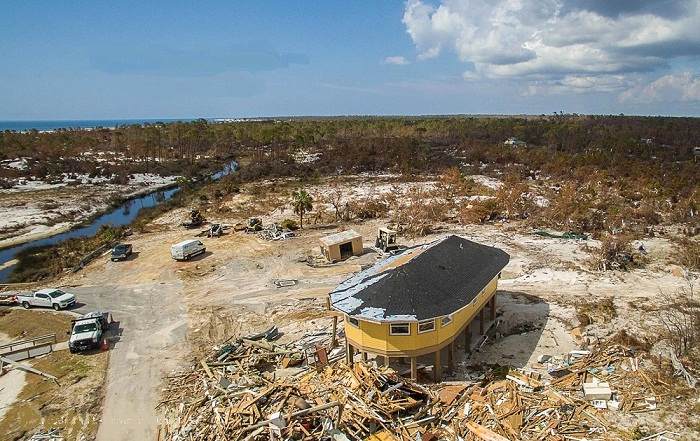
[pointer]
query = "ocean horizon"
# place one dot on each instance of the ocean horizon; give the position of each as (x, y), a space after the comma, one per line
(47, 125)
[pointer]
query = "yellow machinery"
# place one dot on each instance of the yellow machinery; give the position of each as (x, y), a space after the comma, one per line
(386, 240)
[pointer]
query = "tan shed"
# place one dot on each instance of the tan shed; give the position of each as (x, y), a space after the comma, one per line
(341, 245)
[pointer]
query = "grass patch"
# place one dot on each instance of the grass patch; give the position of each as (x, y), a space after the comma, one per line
(22, 324)
(75, 403)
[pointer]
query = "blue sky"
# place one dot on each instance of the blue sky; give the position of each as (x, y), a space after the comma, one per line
(232, 59)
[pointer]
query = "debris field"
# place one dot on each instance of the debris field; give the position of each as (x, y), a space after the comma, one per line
(260, 390)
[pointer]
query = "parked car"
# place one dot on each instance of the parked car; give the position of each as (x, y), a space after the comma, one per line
(47, 298)
(121, 251)
(186, 249)
(88, 331)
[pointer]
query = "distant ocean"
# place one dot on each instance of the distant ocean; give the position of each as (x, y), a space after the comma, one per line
(22, 126)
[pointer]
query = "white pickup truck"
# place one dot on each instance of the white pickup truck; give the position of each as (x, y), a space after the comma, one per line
(47, 298)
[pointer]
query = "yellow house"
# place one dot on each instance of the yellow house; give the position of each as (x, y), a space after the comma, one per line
(420, 301)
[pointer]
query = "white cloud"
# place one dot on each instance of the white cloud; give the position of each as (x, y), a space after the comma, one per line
(471, 75)
(685, 87)
(398, 61)
(575, 45)
(580, 84)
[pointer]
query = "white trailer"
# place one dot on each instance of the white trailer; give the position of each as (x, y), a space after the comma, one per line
(186, 249)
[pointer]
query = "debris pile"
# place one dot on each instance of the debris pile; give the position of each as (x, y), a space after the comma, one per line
(235, 395)
(49, 435)
(274, 232)
(609, 378)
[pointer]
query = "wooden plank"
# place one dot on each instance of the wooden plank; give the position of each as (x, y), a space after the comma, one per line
(206, 368)
(484, 433)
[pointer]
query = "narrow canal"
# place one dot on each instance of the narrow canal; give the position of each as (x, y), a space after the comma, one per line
(122, 215)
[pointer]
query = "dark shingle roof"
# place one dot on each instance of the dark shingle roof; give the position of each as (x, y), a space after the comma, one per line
(442, 278)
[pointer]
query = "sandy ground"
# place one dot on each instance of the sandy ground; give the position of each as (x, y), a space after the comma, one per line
(35, 209)
(11, 383)
(168, 311)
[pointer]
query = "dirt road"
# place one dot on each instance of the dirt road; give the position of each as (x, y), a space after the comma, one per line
(147, 305)
(162, 307)
(153, 326)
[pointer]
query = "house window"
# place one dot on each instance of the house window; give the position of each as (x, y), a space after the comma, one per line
(400, 329)
(475, 300)
(353, 321)
(483, 291)
(426, 326)
(446, 320)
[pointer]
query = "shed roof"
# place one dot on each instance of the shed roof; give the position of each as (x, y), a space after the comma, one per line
(340, 238)
(423, 282)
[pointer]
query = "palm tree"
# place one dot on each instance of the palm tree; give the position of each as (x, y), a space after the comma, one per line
(302, 202)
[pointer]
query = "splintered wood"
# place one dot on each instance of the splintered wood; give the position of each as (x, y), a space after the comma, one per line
(237, 395)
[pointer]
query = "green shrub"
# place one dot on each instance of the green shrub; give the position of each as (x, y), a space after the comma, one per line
(290, 224)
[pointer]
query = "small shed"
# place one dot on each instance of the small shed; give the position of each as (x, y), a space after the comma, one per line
(341, 245)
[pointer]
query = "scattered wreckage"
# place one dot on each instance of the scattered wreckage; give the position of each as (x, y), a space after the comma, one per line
(255, 225)
(275, 232)
(259, 390)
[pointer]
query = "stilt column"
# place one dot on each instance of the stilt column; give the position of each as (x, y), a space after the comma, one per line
(468, 339)
(481, 321)
(437, 367)
(451, 357)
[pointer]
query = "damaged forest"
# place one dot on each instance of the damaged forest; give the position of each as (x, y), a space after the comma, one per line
(595, 335)
(614, 177)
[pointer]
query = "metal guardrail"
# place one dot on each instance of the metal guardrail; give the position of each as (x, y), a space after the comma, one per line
(41, 340)
(91, 256)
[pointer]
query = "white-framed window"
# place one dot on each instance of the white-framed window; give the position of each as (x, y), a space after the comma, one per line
(426, 326)
(476, 299)
(483, 292)
(400, 329)
(445, 320)
(353, 321)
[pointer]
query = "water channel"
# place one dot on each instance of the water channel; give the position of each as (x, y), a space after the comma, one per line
(122, 215)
